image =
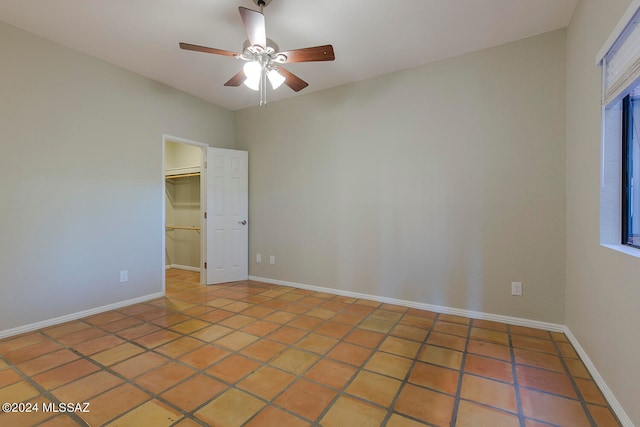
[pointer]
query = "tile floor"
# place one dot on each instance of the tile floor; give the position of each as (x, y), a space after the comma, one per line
(254, 354)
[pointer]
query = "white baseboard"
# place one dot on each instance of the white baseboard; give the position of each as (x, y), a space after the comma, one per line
(608, 394)
(182, 267)
(554, 327)
(79, 315)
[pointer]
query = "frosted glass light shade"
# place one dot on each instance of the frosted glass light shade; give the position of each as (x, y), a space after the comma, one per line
(275, 78)
(252, 70)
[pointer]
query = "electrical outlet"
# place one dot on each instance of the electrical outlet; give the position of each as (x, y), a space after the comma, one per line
(516, 288)
(124, 276)
(272, 259)
(258, 257)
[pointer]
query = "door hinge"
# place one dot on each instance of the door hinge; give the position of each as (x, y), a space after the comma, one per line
(205, 215)
(205, 265)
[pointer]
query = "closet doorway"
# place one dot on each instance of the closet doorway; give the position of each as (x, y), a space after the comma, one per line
(184, 207)
(206, 198)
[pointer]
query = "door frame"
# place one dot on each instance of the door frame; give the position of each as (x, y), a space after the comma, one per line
(203, 201)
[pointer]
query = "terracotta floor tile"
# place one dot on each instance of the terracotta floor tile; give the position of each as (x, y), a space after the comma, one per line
(399, 421)
(260, 328)
(603, 416)
(233, 408)
(389, 364)
(138, 331)
(9, 376)
(158, 338)
(31, 351)
(472, 415)
(211, 333)
(484, 348)
(170, 320)
(376, 325)
(193, 392)
(233, 368)
(306, 399)
(65, 373)
(113, 403)
(117, 354)
(65, 328)
(163, 377)
(21, 419)
(15, 343)
(559, 337)
(451, 328)
(236, 340)
(258, 312)
(400, 347)
(426, 405)
(316, 343)
(425, 323)
(84, 389)
(177, 348)
(47, 361)
(331, 373)
(531, 332)
(347, 319)
(348, 411)
(121, 324)
(280, 317)
(287, 335)
(488, 324)
(263, 350)
(104, 318)
(441, 356)
(294, 361)
(489, 392)
(153, 413)
(18, 392)
(266, 382)
(274, 417)
(552, 409)
(532, 343)
(389, 316)
(237, 321)
(544, 380)
(590, 391)
(490, 336)
(215, 316)
(322, 313)
(204, 357)
(333, 329)
(435, 377)
(60, 421)
(365, 338)
(198, 310)
(350, 353)
(189, 326)
(139, 364)
(567, 350)
(538, 360)
(490, 368)
(374, 387)
(453, 342)
(238, 306)
(409, 332)
(577, 368)
(305, 322)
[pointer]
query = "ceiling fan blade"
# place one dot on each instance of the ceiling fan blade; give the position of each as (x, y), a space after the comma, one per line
(291, 80)
(237, 80)
(309, 54)
(194, 47)
(254, 25)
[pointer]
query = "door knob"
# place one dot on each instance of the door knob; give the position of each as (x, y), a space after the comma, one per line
(243, 222)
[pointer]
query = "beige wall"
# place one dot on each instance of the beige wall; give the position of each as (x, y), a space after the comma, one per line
(81, 188)
(440, 184)
(603, 286)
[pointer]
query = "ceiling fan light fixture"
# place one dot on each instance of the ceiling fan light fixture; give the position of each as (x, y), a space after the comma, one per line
(275, 78)
(253, 71)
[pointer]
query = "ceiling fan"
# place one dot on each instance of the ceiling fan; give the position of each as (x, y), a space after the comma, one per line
(264, 58)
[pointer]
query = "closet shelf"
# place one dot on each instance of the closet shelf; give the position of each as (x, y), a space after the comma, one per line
(182, 175)
(180, 227)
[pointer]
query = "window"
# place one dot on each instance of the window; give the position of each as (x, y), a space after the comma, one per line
(631, 169)
(620, 162)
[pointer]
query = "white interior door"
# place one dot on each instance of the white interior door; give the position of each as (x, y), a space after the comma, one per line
(227, 229)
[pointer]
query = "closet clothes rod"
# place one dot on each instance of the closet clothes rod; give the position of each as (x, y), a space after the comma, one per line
(182, 175)
(179, 227)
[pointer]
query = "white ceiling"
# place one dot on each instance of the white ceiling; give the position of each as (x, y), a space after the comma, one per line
(370, 38)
